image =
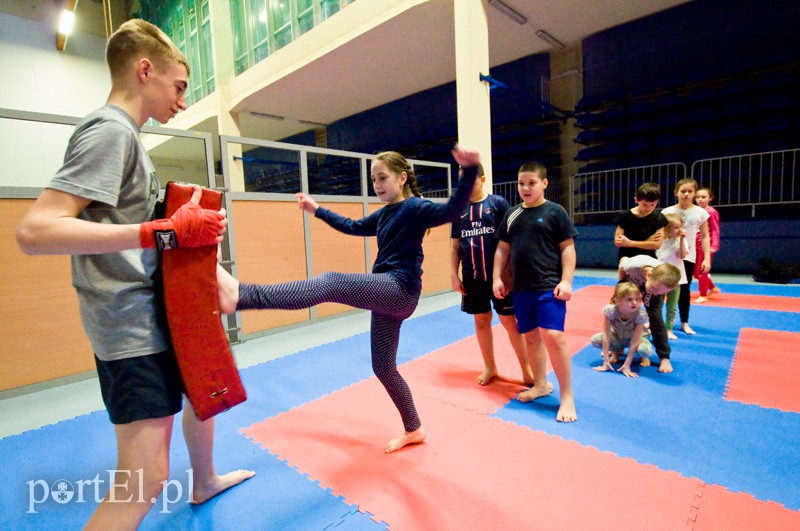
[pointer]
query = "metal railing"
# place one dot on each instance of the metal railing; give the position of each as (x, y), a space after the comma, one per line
(748, 180)
(609, 191)
(767, 178)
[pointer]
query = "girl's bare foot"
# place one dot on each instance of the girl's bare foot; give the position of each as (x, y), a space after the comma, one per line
(665, 366)
(614, 357)
(535, 392)
(486, 376)
(714, 291)
(410, 437)
(203, 493)
(644, 362)
(227, 291)
(687, 329)
(566, 413)
(671, 335)
(700, 300)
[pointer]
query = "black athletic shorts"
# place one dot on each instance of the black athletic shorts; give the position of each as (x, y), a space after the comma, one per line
(144, 387)
(480, 299)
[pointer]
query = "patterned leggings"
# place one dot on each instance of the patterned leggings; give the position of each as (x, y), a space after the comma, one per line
(379, 293)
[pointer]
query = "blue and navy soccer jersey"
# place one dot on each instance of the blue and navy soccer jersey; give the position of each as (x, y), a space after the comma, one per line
(476, 230)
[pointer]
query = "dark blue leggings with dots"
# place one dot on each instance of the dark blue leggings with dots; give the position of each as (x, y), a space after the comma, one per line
(379, 293)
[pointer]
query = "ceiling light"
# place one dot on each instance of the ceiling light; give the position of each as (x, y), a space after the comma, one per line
(508, 11)
(65, 23)
(549, 39)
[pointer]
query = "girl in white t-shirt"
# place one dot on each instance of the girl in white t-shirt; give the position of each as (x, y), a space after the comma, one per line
(673, 250)
(695, 220)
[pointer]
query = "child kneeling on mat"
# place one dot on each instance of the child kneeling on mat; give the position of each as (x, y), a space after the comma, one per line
(623, 327)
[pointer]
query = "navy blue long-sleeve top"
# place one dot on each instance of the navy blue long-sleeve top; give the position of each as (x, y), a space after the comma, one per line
(400, 228)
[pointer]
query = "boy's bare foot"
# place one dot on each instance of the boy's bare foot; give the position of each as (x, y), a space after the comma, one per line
(665, 366)
(700, 300)
(486, 376)
(227, 291)
(644, 362)
(535, 392)
(687, 329)
(714, 291)
(671, 335)
(566, 413)
(203, 493)
(410, 437)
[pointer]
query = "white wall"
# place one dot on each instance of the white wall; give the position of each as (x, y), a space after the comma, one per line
(37, 77)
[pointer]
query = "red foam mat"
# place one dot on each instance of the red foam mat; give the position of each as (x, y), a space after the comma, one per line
(722, 510)
(753, 302)
(480, 472)
(766, 369)
(476, 472)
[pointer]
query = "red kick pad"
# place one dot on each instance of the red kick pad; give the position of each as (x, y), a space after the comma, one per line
(766, 369)
(190, 293)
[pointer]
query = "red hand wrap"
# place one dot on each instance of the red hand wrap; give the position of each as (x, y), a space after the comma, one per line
(189, 226)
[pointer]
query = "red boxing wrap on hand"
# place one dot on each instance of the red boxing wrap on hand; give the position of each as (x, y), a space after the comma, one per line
(190, 226)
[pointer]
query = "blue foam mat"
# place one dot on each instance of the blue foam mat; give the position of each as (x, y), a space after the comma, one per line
(681, 422)
(705, 437)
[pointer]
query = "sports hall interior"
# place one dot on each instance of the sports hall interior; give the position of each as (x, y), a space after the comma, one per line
(298, 95)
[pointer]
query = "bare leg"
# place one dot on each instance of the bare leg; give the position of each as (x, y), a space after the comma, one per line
(143, 467)
(199, 438)
(517, 341)
(483, 331)
(538, 360)
(560, 358)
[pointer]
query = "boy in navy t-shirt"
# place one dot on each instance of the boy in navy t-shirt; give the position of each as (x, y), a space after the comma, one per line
(538, 237)
(473, 243)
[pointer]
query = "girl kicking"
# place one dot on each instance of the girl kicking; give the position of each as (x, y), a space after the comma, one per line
(392, 290)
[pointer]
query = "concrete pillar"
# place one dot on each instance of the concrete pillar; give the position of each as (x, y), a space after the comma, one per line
(566, 90)
(224, 72)
(472, 94)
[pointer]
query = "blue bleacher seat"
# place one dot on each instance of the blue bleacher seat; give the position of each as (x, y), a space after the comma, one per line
(734, 131)
(638, 146)
(702, 115)
(774, 102)
(668, 140)
(669, 120)
(736, 109)
(640, 125)
(700, 135)
(779, 124)
(640, 108)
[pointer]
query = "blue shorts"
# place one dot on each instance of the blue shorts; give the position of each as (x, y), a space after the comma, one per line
(539, 309)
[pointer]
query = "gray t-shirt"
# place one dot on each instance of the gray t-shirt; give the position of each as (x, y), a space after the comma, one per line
(121, 306)
(622, 329)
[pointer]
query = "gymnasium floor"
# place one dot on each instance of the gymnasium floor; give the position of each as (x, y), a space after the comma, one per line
(715, 445)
